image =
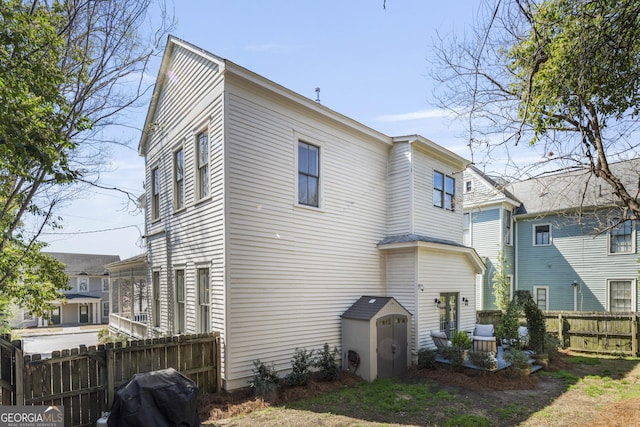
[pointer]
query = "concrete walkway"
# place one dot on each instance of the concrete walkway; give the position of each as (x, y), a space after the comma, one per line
(57, 330)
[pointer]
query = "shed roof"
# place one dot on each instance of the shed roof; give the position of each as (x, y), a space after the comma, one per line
(367, 307)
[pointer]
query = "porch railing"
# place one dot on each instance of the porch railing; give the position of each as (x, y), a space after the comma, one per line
(122, 323)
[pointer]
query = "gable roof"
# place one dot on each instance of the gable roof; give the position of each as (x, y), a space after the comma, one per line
(89, 264)
(491, 192)
(367, 307)
(568, 191)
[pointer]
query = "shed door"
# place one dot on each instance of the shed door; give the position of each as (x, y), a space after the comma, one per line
(392, 345)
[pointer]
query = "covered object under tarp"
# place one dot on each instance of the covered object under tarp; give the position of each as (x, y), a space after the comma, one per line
(164, 398)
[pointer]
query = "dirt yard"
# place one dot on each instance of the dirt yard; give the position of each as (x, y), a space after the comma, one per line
(570, 392)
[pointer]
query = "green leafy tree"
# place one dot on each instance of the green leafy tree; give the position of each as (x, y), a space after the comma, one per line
(561, 75)
(68, 70)
(501, 283)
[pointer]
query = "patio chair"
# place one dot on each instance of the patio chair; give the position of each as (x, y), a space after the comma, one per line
(484, 340)
(440, 340)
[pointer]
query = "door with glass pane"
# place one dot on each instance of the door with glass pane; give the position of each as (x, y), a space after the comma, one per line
(448, 313)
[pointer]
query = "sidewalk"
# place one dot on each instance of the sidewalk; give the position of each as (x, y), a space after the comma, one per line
(58, 330)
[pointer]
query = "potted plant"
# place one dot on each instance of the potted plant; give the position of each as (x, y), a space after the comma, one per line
(460, 340)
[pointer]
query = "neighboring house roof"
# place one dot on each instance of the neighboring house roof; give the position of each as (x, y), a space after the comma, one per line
(500, 187)
(79, 296)
(567, 191)
(142, 258)
(367, 307)
(89, 264)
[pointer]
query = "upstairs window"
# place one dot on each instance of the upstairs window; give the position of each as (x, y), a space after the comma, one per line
(308, 174)
(444, 188)
(542, 235)
(508, 227)
(203, 164)
(178, 178)
(621, 238)
(155, 194)
(467, 186)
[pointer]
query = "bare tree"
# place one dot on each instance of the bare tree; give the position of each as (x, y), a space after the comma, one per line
(557, 80)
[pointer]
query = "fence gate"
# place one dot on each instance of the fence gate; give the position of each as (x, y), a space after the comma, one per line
(11, 362)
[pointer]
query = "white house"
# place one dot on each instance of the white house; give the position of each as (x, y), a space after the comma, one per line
(268, 215)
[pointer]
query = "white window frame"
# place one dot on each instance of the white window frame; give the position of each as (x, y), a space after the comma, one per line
(105, 281)
(633, 240)
(180, 319)
(535, 228)
(85, 280)
(105, 304)
(633, 292)
(310, 141)
(468, 186)
(155, 283)
(155, 193)
(204, 300)
(507, 222)
(202, 168)
(535, 296)
(178, 180)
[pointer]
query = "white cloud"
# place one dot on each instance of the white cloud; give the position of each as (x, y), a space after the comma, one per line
(414, 115)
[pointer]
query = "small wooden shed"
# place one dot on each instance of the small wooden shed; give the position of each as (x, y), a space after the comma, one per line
(375, 338)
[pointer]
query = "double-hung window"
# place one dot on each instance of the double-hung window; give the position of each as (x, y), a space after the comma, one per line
(204, 315)
(621, 238)
(508, 226)
(308, 174)
(202, 157)
(542, 235)
(541, 297)
(178, 178)
(620, 295)
(155, 193)
(444, 191)
(180, 302)
(155, 279)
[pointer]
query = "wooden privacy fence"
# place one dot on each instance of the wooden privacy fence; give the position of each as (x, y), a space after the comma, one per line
(595, 332)
(84, 379)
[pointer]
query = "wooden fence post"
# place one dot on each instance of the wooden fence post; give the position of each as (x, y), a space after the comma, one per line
(110, 365)
(18, 356)
(561, 329)
(634, 334)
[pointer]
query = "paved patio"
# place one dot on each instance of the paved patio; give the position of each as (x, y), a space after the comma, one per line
(502, 364)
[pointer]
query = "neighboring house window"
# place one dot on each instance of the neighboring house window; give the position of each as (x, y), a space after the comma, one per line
(83, 284)
(467, 186)
(105, 284)
(156, 298)
(444, 188)
(155, 194)
(466, 229)
(542, 235)
(620, 295)
(621, 238)
(203, 164)
(178, 178)
(204, 317)
(105, 309)
(308, 174)
(180, 302)
(508, 227)
(541, 297)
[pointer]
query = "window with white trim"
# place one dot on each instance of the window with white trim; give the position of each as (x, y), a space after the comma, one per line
(444, 191)
(155, 193)
(621, 295)
(180, 302)
(155, 279)
(202, 164)
(83, 284)
(542, 235)
(621, 238)
(467, 186)
(105, 284)
(178, 179)
(541, 297)
(308, 174)
(204, 313)
(105, 308)
(508, 227)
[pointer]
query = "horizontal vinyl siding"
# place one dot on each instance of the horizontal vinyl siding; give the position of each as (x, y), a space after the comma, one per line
(428, 219)
(481, 191)
(400, 190)
(402, 282)
(293, 270)
(444, 272)
(575, 254)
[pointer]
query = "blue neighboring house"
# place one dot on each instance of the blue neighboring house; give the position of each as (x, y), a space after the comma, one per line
(562, 237)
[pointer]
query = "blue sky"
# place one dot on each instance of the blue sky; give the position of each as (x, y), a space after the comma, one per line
(370, 64)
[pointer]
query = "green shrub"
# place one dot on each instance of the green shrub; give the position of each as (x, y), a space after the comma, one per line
(517, 358)
(265, 379)
(456, 357)
(326, 363)
(483, 360)
(460, 340)
(507, 328)
(426, 358)
(106, 337)
(300, 364)
(551, 345)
